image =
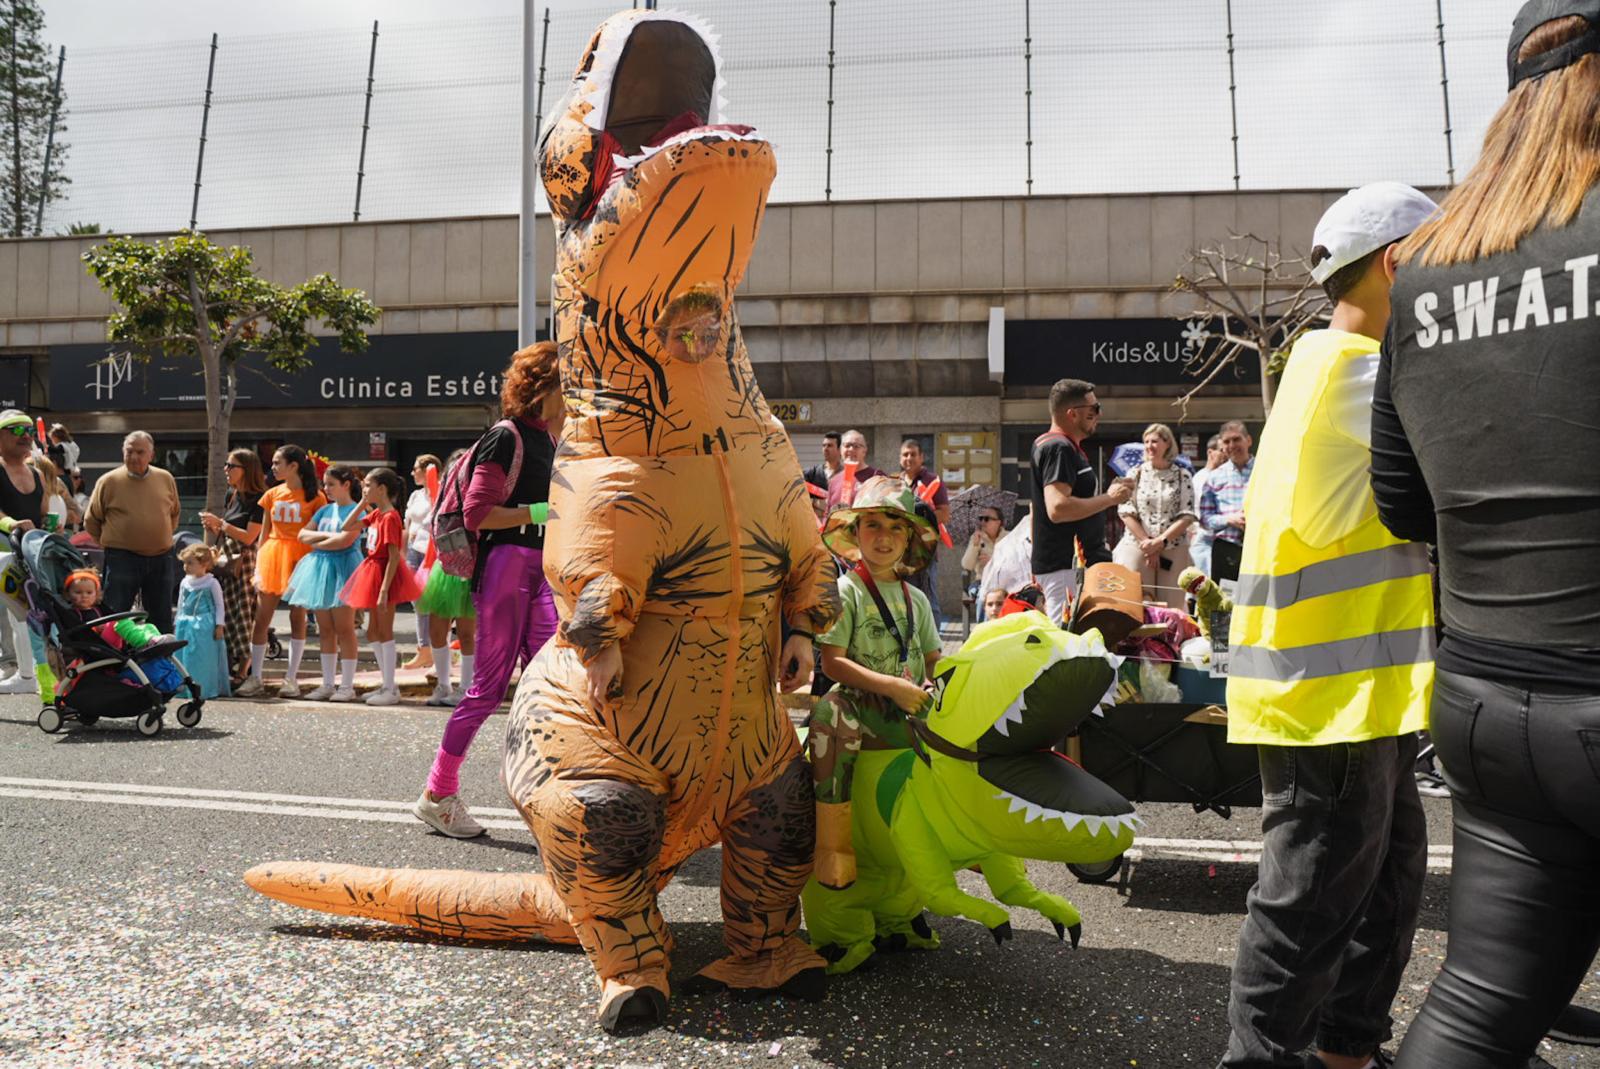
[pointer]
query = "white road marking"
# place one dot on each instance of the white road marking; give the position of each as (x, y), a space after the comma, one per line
(283, 805)
(1240, 851)
(247, 796)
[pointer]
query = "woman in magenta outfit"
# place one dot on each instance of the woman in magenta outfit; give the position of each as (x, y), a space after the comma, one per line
(515, 609)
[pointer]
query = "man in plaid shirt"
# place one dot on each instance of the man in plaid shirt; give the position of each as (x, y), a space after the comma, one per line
(1222, 499)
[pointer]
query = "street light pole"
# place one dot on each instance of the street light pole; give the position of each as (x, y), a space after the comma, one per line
(528, 259)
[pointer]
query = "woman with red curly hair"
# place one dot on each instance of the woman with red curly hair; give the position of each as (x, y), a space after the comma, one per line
(515, 609)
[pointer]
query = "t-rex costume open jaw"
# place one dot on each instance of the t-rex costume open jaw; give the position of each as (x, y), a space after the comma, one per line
(679, 527)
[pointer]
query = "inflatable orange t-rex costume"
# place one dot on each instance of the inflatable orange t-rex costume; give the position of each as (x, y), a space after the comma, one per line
(680, 528)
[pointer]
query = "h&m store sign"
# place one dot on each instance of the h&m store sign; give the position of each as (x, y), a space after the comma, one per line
(1131, 352)
(396, 369)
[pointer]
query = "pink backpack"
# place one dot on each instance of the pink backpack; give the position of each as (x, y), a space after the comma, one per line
(457, 547)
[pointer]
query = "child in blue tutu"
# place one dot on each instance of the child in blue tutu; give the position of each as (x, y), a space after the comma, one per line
(200, 623)
(322, 573)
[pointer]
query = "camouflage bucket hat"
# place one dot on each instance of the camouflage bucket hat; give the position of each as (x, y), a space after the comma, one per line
(882, 493)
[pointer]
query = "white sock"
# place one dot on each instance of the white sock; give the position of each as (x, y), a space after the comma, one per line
(441, 666)
(297, 650)
(328, 661)
(466, 671)
(386, 658)
(347, 674)
(258, 659)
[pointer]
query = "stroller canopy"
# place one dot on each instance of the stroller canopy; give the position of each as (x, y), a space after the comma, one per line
(49, 558)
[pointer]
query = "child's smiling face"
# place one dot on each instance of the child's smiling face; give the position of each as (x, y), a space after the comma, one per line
(883, 540)
(83, 594)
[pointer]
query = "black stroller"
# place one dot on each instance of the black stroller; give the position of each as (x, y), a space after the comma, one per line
(95, 678)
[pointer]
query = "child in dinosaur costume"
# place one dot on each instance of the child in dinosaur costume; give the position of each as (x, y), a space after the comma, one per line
(980, 785)
(880, 651)
(680, 535)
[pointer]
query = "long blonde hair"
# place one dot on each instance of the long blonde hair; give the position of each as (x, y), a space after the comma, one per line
(1540, 158)
(49, 477)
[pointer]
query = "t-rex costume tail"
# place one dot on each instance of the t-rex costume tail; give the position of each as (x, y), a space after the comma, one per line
(680, 528)
(981, 786)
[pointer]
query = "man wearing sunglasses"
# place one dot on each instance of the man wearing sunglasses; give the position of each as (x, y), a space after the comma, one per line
(21, 509)
(1068, 507)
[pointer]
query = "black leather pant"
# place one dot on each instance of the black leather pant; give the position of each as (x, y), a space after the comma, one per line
(1524, 773)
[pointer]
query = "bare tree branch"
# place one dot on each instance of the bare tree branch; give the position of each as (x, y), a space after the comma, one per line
(1282, 303)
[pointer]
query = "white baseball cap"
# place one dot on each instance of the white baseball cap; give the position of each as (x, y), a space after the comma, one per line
(1365, 220)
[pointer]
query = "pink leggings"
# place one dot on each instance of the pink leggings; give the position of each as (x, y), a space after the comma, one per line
(516, 616)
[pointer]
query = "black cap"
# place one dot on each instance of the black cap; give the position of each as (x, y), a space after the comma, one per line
(1536, 13)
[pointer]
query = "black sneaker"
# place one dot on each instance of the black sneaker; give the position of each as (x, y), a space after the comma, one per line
(1432, 785)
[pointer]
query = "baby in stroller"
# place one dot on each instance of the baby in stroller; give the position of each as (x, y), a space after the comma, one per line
(112, 665)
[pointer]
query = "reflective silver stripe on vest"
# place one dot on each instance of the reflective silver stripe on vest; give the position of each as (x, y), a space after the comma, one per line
(1362, 654)
(1333, 576)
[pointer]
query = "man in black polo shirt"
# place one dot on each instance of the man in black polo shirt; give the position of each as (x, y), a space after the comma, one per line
(1067, 504)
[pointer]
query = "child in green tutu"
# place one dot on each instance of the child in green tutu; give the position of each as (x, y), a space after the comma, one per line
(447, 601)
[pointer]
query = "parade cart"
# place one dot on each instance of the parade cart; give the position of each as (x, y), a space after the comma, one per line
(1173, 749)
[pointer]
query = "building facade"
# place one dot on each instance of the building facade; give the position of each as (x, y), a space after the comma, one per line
(946, 320)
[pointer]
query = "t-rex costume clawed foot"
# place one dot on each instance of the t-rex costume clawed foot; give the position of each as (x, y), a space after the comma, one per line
(981, 787)
(679, 528)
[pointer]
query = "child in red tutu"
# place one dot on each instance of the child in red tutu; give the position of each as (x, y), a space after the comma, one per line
(382, 580)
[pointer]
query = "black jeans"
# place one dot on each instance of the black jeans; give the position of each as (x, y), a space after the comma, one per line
(150, 578)
(1524, 776)
(1328, 933)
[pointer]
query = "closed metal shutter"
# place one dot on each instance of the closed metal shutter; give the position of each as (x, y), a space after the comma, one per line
(808, 447)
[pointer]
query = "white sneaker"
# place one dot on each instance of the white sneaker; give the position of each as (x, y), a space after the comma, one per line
(448, 816)
(250, 688)
(458, 695)
(320, 694)
(384, 697)
(343, 694)
(290, 689)
(17, 683)
(442, 696)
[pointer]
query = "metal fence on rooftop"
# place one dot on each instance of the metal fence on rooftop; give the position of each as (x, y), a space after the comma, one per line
(865, 99)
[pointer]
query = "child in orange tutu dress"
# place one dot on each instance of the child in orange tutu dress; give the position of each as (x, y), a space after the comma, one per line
(286, 508)
(382, 581)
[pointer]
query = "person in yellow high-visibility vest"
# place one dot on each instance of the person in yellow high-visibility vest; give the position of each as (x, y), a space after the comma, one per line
(1330, 669)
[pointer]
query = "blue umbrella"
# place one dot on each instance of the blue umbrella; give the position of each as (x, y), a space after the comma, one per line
(1126, 457)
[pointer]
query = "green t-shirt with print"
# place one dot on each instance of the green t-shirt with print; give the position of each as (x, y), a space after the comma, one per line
(867, 641)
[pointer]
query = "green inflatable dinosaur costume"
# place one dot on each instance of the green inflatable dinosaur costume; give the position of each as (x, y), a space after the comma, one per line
(981, 786)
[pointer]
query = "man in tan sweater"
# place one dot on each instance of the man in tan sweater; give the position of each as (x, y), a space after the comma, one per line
(133, 514)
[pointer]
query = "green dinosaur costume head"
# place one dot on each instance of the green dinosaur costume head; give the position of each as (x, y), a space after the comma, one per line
(1012, 693)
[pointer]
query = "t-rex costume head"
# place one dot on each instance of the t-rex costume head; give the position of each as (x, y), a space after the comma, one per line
(680, 529)
(982, 786)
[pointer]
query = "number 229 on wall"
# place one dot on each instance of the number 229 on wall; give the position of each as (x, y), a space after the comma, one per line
(791, 411)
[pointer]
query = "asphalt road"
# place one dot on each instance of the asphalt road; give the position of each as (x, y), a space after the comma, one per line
(128, 939)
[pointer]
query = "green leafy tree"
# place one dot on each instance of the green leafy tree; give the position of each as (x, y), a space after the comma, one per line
(27, 89)
(184, 297)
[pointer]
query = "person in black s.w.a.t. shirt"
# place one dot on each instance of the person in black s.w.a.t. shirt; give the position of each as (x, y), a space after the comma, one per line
(1493, 341)
(1067, 504)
